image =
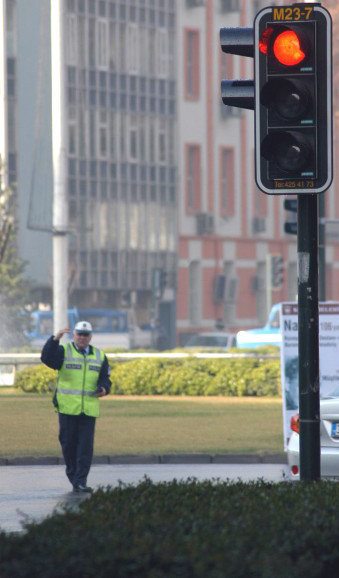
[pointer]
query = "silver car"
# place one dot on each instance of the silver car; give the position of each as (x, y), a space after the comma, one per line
(212, 340)
(329, 439)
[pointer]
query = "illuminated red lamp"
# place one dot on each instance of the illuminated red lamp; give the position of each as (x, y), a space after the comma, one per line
(287, 48)
(264, 40)
(295, 423)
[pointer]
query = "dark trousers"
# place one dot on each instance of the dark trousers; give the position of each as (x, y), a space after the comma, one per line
(76, 436)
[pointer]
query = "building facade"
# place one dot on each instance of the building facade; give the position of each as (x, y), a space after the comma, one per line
(229, 231)
(120, 78)
(160, 174)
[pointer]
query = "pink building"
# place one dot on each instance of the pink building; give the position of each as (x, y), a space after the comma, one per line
(228, 229)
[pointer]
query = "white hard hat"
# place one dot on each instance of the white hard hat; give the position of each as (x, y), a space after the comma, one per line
(83, 327)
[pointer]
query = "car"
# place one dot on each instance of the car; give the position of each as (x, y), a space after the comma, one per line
(269, 334)
(329, 439)
(211, 340)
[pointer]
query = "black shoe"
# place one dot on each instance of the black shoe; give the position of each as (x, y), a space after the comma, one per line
(82, 489)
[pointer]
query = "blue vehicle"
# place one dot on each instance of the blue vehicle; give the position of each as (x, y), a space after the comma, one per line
(111, 328)
(116, 328)
(267, 335)
(42, 325)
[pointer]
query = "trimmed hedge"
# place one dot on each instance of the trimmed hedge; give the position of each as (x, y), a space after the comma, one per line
(190, 376)
(36, 379)
(180, 529)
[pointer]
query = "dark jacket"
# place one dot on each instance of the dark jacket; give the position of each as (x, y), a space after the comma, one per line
(53, 354)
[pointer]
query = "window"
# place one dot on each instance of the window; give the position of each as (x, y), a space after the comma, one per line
(192, 64)
(103, 140)
(112, 135)
(82, 133)
(71, 39)
(112, 46)
(92, 139)
(132, 48)
(123, 137)
(72, 139)
(194, 293)
(103, 52)
(162, 51)
(152, 141)
(162, 144)
(11, 28)
(260, 203)
(82, 34)
(230, 6)
(260, 200)
(227, 182)
(151, 52)
(193, 179)
(142, 140)
(133, 140)
(91, 42)
(143, 36)
(226, 67)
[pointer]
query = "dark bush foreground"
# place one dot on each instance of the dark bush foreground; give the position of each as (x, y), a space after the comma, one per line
(185, 529)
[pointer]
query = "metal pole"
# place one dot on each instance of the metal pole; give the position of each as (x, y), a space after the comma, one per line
(308, 337)
(60, 206)
(322, 251)
(268, 284)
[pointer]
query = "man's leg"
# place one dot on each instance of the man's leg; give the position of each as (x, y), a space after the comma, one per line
(68, 437)
(84, 449)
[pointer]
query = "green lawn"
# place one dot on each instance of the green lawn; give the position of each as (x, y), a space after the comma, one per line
(141, 425)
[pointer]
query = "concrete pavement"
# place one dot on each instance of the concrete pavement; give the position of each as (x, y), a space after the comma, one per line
(34, 491)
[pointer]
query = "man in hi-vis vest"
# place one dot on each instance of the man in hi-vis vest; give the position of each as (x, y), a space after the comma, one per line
(83, 377)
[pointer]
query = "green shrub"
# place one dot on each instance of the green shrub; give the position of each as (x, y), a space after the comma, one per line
(208, 529)
(36, 379)
(188, 376)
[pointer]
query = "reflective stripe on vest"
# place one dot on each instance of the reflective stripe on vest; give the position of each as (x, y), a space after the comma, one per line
(77, 382)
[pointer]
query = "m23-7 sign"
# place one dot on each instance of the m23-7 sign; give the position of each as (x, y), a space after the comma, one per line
(292, 13)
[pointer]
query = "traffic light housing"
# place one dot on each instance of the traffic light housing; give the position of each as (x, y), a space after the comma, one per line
(277, 271)
(163, 279)
(239, 41)
(291, 227)
(293, 99)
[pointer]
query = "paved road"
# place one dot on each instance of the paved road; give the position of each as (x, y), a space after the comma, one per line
(33, 492)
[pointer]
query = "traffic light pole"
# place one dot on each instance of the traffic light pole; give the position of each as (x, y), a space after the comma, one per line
(322, 249)
(308, 337)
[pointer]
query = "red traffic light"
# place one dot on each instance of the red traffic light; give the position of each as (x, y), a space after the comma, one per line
(284, 44)
(287, 48)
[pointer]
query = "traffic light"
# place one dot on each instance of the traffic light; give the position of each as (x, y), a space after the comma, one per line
(277, 271)
(239, 93)
(293, 99)
(291, 227)
(163, 279)
(156, 282)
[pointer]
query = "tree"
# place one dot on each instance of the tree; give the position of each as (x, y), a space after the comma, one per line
(14, 290)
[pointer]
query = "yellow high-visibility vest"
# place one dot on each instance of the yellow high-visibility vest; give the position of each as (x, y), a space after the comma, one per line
(77, 382)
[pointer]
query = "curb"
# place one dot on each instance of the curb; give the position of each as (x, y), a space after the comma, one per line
(155, 459)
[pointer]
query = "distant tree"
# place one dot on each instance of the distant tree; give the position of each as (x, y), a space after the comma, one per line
(14, 291)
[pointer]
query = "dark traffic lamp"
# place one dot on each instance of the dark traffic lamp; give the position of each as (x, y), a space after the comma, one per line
(277, 271)
(238, 41)
(291, 227)
(293, 99)
(163, 279)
